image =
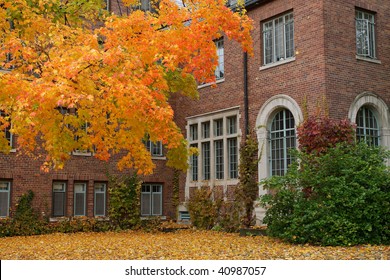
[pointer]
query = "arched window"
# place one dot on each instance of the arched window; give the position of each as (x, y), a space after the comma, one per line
(367, 128)
(282, 139)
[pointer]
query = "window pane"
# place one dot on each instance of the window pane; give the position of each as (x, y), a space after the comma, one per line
(219, 71)
(194, 165)
(232, 125)
(58, 204)
(218, 146)
(156, 203)
(194, 132)
(206, 160)
(100, 203)
(100, 199)
(79, 209)
(4, 203)
(367, 128)
(145, 204)
(282, 139)
(233, 158)
(278, 39)
(58, 187)
(365, 34)
(205, 130)
(218, 127)
(268, 43)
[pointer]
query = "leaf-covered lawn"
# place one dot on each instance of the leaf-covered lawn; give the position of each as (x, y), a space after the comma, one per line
(185, 244)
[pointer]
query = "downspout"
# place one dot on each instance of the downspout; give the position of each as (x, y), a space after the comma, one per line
(246, 99)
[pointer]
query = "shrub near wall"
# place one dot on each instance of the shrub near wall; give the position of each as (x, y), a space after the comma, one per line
(348, 202)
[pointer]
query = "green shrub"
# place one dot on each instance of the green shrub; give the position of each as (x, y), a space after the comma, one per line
(341, 197)
(124, 196)
(26, 220)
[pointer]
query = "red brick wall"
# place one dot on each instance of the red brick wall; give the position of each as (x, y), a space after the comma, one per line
(346, 76)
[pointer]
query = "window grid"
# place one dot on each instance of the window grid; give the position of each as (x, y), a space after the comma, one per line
(218, 153)
(218, 146)
(205, 130)
(194, 132)
(282, 139)
(367, 128)
(232, 125)
(5, 190)
(194, 165)
(151, 200)
(365, 34)
(206, 160)
(278, 39)
(218, 127)
(233, 158)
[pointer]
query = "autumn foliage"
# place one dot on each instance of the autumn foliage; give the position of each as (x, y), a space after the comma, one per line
(318, 133)
(113, 74)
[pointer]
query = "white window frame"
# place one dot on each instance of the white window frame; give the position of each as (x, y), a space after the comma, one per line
(7, 190)
(104, 193)
(152, 195)
(62, 190)
(365, 34)
(84, 192)
(220, 170)
(269, 29)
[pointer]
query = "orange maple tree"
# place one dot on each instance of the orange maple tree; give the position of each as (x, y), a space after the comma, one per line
(83, 79)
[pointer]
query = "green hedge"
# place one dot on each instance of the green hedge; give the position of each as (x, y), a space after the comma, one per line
(338, 198)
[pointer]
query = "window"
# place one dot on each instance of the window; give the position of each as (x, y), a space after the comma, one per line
(218, 147)
(151, 200)
(365, 34)
(5, 190)
(194, 132)
(367, 128)
(194, 164)
(155, 149)
(80, 199)
(206, 160)
(7, 130)
(59, 190)
(220, 70)
(100, 199)
(278, 39)
(282, 139)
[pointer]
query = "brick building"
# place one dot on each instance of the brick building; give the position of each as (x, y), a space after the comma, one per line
(333, 54)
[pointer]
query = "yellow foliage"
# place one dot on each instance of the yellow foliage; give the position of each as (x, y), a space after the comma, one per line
(198, 245)
(117, 76)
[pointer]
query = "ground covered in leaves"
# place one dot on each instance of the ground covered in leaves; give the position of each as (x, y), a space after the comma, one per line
(183, 244)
